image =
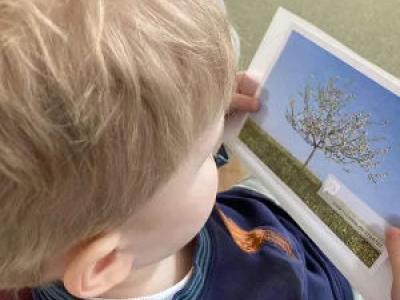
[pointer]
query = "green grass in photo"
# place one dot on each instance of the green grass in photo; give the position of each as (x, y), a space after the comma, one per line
(306, 185)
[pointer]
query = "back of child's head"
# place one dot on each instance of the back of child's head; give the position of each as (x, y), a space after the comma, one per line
(99, 103)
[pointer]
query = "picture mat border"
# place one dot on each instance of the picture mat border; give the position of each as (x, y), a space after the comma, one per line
(374, 282)
(357, 213)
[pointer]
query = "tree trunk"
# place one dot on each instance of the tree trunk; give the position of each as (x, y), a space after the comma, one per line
(310, 157)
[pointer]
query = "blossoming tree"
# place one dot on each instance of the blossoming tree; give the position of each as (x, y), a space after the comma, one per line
(324, 124)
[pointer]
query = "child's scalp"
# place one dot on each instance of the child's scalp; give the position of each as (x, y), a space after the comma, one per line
(99, 101)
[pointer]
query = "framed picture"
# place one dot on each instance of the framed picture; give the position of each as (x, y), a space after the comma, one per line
(326, 144)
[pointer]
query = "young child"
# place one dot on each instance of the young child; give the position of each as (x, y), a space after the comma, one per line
(110, 111)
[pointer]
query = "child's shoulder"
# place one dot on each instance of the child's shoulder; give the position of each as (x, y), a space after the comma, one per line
(259, 252)
(250, 208)
(252, 211)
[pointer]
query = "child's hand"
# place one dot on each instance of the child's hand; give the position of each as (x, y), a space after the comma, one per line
(243, 99)
(393, 246)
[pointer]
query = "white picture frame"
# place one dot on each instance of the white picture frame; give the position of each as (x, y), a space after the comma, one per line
(375, 282)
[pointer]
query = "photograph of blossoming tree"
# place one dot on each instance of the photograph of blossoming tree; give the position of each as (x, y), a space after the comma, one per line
(320, 118)
(342, 137)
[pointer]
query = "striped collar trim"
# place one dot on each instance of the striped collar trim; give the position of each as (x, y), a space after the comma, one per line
(192, 290)
(202, 262)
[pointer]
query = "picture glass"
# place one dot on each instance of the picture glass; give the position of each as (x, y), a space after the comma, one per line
(331, 134)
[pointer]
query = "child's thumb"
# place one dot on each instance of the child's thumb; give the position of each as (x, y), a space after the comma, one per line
(393, 247)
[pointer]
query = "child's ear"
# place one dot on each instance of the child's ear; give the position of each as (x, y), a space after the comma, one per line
(97, 267)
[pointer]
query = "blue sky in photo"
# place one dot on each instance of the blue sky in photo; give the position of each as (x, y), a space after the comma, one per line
(302, 59)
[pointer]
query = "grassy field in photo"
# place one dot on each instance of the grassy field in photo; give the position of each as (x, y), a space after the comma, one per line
(306, 185)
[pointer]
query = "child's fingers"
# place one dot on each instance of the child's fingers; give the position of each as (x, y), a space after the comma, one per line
(244, 103)
(393, 246)
(245, 84)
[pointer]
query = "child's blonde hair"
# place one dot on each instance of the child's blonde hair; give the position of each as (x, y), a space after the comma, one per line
(99, 102)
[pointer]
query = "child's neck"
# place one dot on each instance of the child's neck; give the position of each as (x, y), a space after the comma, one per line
(155, 278)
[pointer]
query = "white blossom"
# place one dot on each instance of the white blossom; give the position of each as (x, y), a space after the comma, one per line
(341, 136)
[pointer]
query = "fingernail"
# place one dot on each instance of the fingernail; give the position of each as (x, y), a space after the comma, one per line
(393, 233)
